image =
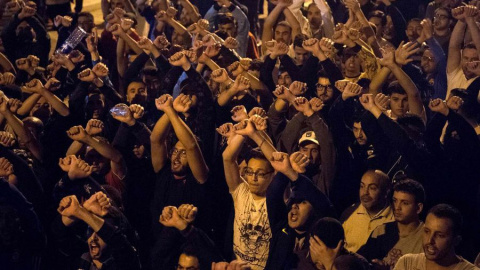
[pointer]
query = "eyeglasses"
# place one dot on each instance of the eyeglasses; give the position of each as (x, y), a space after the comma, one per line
(321, 86)
(258, 174)
(182, 153)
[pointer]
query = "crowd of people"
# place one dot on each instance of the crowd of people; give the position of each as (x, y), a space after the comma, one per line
(192, 134)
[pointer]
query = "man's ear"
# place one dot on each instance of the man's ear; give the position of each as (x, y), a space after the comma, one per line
(419, 208)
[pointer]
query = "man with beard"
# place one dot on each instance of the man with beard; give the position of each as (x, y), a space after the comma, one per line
(181, 175)
(442, 232)
(459, 75)
(373, 210)
(316, 144)
(389, 241)
(441, 26)
(25, 35)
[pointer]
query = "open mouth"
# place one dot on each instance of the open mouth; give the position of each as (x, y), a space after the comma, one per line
(94, 249)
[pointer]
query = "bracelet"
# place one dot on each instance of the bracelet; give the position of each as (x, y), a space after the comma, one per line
(260, 146)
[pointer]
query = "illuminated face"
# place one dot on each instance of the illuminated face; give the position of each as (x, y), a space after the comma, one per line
(468, 55)
(405, 208)
(359, 133)
(138, 151)
(314, 16)
(299, 214)
(283, 34)
(138, 91)
(438, 238)
(312, 151)
(228, 28)
(185, 18)
(441, 20)
(178, 157)
(96, 246)
(301, 55)
(371, 194)
(414, 30)
(353, 66)
(85, 23)
(398, 104)
(324, 89)
(284, 79)
(428, 62)
(378, 24)
(186, 262)
(259, 174)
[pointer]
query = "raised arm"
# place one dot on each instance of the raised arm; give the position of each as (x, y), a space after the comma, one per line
(270, 21)
(456, 40)
(185, 135)
(230, 165)
(158, 141)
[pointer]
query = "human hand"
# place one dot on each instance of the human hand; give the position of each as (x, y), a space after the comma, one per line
(92, 41)
(7, 78)
(219, 75)
(470, 11)
(226, 130)
(94, 127)
(244, 128)
(26, 12)
(235, 69)
(257, 111)
(171, 12)
(69, 206)
(459, 13)
(327, 46)
(404, 51)
(302, 105)
(279, 49)
(298, 88)
(126, 24)
(66, 162)
(239, 113)
(100, 70)
(283, 93)
(454, 103)
(4, 104)
(122, 113)
(188, 212)
(53, 84)
(6, 168)
(116, 29)
(178, 59)
(231, 43)
(259, 122)
(34, 86)
(351, 90)
(311, 45)
(7, 139)
(79, 169)
(137, 111)
(427, 29)
(164, 102)
(86, 75)
(388, 59)
(145, 44)
(353, 5)
(280, 162)
(33, 60)
(182, 103)
(316, 104)
(439, 106)
(213, 50)
(299, 162)
(340, 34)
(77, 133)
(321, 254)
(241, 85)
(270, 45)
(161, 42)
(171, 218)
(382, 102)
(98, 204)
(367, 102)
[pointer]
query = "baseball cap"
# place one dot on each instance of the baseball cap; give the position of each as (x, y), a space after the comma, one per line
(308, 136)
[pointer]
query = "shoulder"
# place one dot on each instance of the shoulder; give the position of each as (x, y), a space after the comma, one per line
(409, 261)
(466, 265)
(348, 212)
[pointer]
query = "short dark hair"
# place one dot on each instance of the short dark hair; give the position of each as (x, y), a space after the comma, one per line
(411, 187)
(394, 87)
(329, 230)
(450, 212)
(470, 45)
(256, 153)
(411, 120)
(85, 14)
(226, 18)
(299, 39)
(414, 20)
(378, 14)
(284, 23)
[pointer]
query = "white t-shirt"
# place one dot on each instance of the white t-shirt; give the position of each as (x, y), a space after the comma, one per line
(418, 262)
(457, 79)
(251, 228)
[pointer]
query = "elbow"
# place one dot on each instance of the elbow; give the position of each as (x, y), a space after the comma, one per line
(65, 113)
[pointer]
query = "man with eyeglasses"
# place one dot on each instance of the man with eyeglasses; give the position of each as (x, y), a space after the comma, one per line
(180, 174)
(442, 21)
(253, 221)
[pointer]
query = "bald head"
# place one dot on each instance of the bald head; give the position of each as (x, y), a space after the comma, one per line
(374, 189)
